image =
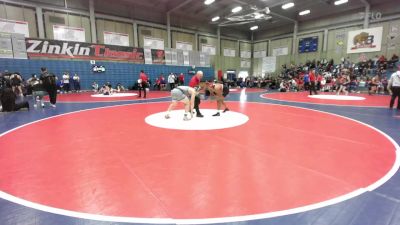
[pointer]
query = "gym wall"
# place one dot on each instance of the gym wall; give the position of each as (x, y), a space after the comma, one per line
(124, 73)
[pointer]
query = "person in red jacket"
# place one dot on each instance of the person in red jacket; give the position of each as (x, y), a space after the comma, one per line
(142, 83)
(181, 79)
(194, 83)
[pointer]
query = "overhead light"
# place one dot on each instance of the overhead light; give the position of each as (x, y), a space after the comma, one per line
(254, 28)
(215, 19)
(267, 10)
(339, 2)
(237, 9)
(288, 5)
(305, 12)
(209, 2)
(258, 15)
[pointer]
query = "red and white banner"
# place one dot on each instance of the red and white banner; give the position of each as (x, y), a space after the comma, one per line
(113, 38)
(14, 27)
(63, 33)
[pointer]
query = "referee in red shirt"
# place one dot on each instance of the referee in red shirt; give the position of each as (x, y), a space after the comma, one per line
(194, 83)
(143, 81)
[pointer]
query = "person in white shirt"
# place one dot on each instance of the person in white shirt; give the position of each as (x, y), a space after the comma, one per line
(394, 88)
(65, 79)
(77, 84)
(171, 81)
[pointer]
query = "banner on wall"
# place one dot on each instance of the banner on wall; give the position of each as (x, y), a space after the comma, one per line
(393, 37)
(280, 51)
(168, 58)
(19, 47)
(174, 57)
(340, 38)
(158, 56)
(229, 52)
(148, 59)
(14, 27)
(194, 58)
(245, 54)
(64, 33)
(186, 60)
(269, 64)
(113, 38)
(245, 64)
(6, 50)
(202, 59)
(366, 40)
(208, 49)
(153, 43)
(79, 50)
(260, 54)
(184, 46)
(208, 60)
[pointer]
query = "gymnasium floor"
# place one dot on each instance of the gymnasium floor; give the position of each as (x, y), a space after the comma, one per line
(274, 159)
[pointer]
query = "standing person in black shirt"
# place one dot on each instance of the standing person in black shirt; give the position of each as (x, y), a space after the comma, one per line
(50, 85)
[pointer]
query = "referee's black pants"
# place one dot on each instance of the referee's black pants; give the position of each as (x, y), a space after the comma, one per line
(395, 94)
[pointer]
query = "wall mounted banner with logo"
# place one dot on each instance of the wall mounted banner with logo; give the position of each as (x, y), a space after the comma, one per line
(184, 46)
(153, 43)
(202, 59)
(366, 40)
(174, 57)
(6, 50)
(245, 54)
(229, 52)
(393, 38)
(186, 61)
(245, 63)
(19, 47)
(260, 54)
(148, 58)
(280, 51)
(79, 50)
(168, 58)
(269, 64)
(12, 46)
(208, 49)
(158, 56)
(63, 33)
(340, 38)
(112, 38)
(14, 27)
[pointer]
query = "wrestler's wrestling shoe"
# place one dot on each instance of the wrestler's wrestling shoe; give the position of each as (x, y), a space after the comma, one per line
(225, 110)
(167, 116)
(185, 118)
(199, 115)
(217, 114)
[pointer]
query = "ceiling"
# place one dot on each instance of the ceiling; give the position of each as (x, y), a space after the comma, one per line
(198, 13)
(194, 14)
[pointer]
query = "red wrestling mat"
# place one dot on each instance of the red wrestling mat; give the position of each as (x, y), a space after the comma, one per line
(108, 161)
(246, 90)
(87, 97)
(303, 97)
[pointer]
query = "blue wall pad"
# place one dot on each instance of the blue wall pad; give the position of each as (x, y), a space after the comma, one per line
(116, 72)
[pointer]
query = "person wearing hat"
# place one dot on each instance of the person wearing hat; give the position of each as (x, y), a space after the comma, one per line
(394, 88)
